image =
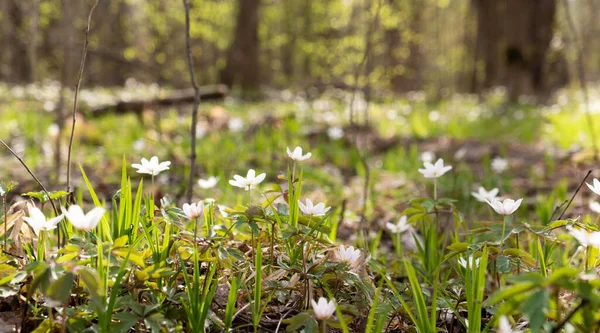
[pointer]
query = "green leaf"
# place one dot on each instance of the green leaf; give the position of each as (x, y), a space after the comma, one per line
(522, 255)
(60, 289)
(503, 264)
(507, 293)
(563, 274)
(533, 309)
(298, 321)
(126, 321)
(58, 194)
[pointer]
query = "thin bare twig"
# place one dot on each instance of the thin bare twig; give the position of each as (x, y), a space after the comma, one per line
(575, 194)
(560, 325)
(190, 190)
(581, 77)
(363, 157)
(556, 209)
(81, 68)
(32, 175)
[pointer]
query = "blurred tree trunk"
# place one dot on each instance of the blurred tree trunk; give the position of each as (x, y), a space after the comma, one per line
(406, 72)
(6, 31)
(288, 49)
(514, 38)
(243, 65)
(33, 17)
(14, 68)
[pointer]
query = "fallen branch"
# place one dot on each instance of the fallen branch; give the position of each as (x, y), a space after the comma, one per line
(178, 97)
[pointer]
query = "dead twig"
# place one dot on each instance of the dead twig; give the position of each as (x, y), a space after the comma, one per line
(190, 190)
(77, 86)
(575, 194)
(32, 175)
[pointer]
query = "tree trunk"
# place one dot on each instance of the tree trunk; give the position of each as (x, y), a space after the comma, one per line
(514, 37)
(406, 72)
(243, 66)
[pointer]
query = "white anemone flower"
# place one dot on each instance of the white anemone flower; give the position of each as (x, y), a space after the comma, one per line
(473, 263)
(596, 187)
(250, 182)
(194, 210)
(482, 195)
(584, 237)
(594, 206)
(506, 207)
(427, 156)
(435, 170)
(499, 164)
(504, 326)
(314, 210)
(296, 155)
(152, 167)
(348, 255)
(335, 133)
(399, 227)
(209, 182)
(82, 221)
(323, 309)
(37, 220)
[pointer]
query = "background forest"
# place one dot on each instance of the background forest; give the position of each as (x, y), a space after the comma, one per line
(344, 166)
(379, 46)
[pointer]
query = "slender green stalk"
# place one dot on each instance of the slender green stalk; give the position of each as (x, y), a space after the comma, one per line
(507, 219)
(6, 223)
(256, 306)
(195, 230)
(322, 326)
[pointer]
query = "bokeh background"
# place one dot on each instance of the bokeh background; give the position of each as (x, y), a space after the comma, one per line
(372, 87)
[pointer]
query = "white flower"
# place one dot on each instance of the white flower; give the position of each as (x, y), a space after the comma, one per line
(235, 124)
(152, 167)
(596, 187)
(584, 237)
(37, 220)
(210, 182)
(249, 182)
(323, 309)
(594, 206)
(314, 210)
(399, 227)
(82, 221)
(2, 193)
(499, 164)
(194, 210)
(296, 155)
(435, 170)
(427, 156)
(348, 255)
(504, 326)
(472, 264)
(139, 144)
(223, 210)
(335, 133)
(482, 195)
(506, 207)
(460, 154)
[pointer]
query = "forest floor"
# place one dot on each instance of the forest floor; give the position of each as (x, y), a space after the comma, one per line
(367, 171)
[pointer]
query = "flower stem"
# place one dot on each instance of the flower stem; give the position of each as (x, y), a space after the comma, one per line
(322, 326)
(506, 219)
(434, 188)
(587, 256)
(195, 229)
(153, 189)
